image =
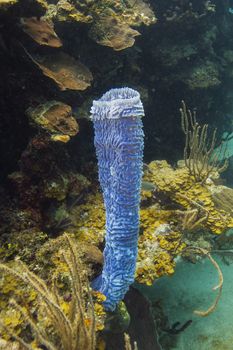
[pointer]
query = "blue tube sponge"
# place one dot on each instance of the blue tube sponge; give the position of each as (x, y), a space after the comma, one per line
(119, 148)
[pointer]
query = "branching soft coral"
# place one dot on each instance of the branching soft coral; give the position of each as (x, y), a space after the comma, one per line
(59, 324)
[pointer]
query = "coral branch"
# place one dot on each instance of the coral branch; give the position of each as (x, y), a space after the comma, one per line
(128, 344)
(71, 331)
(218, 286)
(200, 156)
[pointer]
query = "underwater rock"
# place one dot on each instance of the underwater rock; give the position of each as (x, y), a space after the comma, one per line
(56, 188)
(55, 118)
(67, 72)
(27, 193)
(92, 254)
(171, 53)
(41, 31)
(45, 180)
(185, 11)
(63, 185)
(142, 328)
(113, 33)
(202, 76)
(117, 321)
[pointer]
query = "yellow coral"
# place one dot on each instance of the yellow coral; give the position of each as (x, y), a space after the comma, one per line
(111, 20)
(90, 226)
(162, 229)
(158, 244)
(61, 269)
(60, 138)
(79, 306)
(11, 318)
(100, 315)
(183, 189)
(148, 272)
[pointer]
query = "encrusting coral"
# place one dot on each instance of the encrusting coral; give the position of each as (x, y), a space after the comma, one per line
(55, 118)
(182, 188)
(110, 20)
(91, 219)
(113, 27)
(178, 204)
(158, 244)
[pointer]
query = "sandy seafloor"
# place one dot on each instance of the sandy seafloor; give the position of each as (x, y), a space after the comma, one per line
(190, 288)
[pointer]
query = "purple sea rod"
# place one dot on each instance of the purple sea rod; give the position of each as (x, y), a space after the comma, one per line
(119, 148)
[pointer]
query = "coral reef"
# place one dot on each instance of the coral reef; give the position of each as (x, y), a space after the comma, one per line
(186, 192)
(55, 118)
(61, 321)
(111, 20)
(48, 165)
(170, 218)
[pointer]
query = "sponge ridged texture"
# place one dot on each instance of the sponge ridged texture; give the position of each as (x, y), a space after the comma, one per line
(119, 148)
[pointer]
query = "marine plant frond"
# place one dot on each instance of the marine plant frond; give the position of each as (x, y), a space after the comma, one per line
(218, 287)
(192, 218)
(74, 329)
(200, 156)
(128, 343)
